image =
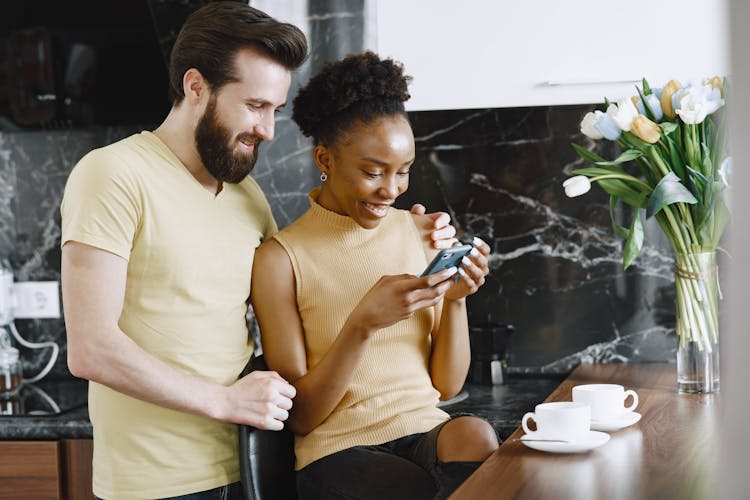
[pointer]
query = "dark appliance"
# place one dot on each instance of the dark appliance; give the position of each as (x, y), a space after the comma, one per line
(489, 343)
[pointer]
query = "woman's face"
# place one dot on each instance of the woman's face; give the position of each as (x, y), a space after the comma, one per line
(367, 169)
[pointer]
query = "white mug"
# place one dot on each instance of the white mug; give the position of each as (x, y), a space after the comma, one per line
(607, 401)
(562, 420)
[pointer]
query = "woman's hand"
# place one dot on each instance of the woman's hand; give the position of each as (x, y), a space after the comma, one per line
(394, 298)
(474, 268)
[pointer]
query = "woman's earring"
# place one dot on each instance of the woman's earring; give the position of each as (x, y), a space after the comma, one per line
(323, 177)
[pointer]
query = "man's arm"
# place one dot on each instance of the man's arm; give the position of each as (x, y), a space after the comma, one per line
(93, 287)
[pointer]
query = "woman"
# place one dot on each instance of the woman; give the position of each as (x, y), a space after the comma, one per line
(369, 346)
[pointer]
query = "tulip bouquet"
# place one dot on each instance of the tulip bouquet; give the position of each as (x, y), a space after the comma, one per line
(674, 165)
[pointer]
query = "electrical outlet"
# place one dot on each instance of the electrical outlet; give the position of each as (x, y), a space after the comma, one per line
(36, 299)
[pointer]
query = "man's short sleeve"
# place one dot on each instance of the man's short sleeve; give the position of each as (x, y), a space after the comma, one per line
(101, 205)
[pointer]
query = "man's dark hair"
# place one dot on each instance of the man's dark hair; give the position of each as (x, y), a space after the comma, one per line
(212, 35)
(357, 89)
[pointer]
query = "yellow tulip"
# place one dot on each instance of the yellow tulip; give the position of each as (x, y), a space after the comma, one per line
(645, 129)
(716, 82)
(666, 98)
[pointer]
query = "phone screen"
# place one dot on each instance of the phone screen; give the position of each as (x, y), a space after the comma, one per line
(447, 257)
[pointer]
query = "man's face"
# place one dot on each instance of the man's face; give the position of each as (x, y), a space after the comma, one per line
(214, 142)
(240, 115)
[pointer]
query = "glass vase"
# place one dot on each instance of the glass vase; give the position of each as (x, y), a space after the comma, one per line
(697, 327)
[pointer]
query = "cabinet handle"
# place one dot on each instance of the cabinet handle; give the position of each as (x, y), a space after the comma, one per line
(561, 83)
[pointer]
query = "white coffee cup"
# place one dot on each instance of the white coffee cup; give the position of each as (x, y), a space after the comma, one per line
(607, 401)
(564, 420)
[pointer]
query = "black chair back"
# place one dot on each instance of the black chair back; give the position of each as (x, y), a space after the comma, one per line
(266, 459)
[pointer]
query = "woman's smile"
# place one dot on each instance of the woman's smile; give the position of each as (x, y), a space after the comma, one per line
(378, 210)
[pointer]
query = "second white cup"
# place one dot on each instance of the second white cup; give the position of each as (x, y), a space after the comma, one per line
(607, 401)
(564, 420)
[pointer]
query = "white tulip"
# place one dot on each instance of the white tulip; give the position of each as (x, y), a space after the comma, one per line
(623, 113)
(588, 125)
(696, 102)
(576, 186)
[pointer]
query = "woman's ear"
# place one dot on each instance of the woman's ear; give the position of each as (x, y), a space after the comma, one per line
(323, 158)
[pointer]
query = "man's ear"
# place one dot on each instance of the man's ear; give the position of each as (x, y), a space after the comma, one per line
(194, 86)
(323, 158)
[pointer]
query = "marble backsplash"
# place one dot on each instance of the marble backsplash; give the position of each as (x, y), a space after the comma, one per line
(556, 272)
(556, 266)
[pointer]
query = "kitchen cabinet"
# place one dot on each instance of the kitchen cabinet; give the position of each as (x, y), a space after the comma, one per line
(42, 470)
(489, 53)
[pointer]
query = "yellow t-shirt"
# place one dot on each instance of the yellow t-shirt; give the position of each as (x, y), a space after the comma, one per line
(190, 255)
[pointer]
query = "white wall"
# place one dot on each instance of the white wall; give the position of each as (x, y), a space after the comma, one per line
(505, 53)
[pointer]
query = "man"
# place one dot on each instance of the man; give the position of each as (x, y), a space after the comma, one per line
(158, 236)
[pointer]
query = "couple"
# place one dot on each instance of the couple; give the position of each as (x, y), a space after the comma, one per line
(159, 240)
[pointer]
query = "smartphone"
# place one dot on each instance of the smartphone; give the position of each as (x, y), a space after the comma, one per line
(447, 257)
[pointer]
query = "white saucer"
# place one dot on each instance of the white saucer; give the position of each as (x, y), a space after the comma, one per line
(593, 440)
(617, 423)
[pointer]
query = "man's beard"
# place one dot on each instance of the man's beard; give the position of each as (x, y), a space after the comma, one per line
(213, 143)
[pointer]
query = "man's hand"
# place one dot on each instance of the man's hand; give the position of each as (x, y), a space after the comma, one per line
(443, 235)
(261, 399)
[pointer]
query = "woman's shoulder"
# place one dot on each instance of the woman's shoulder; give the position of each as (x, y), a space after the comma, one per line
(423, 227)
(422, 223)
(271, 254)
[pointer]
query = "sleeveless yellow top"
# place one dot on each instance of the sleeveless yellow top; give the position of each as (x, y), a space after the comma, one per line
(335, 262)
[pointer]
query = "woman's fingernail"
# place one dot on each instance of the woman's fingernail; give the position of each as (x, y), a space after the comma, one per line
(474, 252)
(465, 260)
(477, 241)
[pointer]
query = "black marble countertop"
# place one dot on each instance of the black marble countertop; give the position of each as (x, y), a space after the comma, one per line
(502, 405)
(47, 410)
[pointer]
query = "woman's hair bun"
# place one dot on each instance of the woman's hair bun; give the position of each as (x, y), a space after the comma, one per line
(346, 83)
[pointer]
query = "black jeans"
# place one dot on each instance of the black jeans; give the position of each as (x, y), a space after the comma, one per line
(406, 468)
(229, 492)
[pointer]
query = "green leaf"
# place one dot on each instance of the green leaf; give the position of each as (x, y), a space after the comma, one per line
(668, 127)
(721, 215)
(594, 171)
(621, 190)
(703, 212)
(628, 155)
(646, 106)
(697, 175)
(708, 166)
(646, 88)
(634, 242)
(633, 142)
(696, 183)
(669, 190)
(619, 230)
(586, 154)
(677, 159)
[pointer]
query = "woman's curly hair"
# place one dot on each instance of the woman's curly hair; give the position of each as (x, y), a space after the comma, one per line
(358, 88)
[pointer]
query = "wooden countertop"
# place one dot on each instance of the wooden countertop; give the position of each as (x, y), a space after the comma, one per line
(670, 453)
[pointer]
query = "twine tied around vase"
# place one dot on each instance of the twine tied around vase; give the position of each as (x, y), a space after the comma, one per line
(692, 275)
